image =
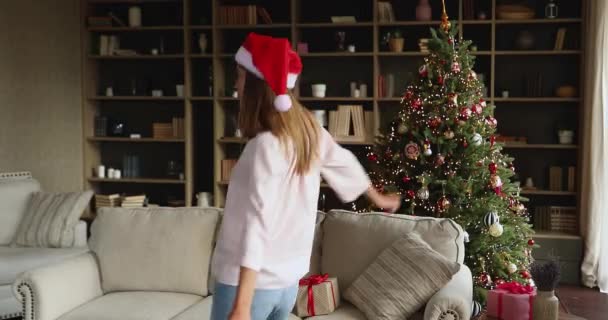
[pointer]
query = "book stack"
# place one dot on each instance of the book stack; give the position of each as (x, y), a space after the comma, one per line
(108, 45)
(162, 130)
(243, 15)
(424, 45)
(351, 124)
(469, 9)
(178, 128)
(559, 39)
(555, 179)
(227, 166)
(137, 201)
(556, 219)
(110, 200)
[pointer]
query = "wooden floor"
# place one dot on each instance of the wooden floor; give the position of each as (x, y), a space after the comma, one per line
(584, 302)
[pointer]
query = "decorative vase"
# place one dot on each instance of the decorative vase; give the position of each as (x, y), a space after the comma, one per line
(202, 42)
(525, 40)
(546, 306)
(423, 11)
(396, 44)
(135, 16)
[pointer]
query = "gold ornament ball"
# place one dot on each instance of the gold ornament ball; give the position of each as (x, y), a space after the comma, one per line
(496, 230)
(402, 129)
(449, 134)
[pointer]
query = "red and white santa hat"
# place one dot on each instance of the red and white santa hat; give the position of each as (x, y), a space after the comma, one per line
(273, 60)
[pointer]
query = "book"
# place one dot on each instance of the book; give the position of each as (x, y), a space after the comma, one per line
(227, 166)
(555, 179)
(571, 179)
(104, 45)
(559, 39)
(385, 12)
(333, 123)
(369, 126)
(264, 15)
(358, 121)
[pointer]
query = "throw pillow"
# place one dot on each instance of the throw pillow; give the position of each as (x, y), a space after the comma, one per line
(401, 280)
(51, 218)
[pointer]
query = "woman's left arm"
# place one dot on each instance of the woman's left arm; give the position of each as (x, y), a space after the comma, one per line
(244, 295)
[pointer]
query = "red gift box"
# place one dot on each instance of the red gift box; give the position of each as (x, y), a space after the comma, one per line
(511, 301)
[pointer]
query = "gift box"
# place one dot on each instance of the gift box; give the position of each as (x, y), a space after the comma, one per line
(317, 295)
(511, 301)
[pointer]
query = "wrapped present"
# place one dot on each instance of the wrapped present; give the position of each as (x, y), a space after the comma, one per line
(511, 301)
(317, 295)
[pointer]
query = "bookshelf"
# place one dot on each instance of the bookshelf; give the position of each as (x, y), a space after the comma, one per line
(209, 110)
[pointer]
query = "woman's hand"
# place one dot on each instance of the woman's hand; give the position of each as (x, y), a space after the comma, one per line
(391, 202)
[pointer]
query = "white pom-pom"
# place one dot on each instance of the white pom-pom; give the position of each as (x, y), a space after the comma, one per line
(282, 102)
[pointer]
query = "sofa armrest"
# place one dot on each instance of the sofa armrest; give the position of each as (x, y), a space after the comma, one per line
(51, 291)
(455, 299)
(80, 234)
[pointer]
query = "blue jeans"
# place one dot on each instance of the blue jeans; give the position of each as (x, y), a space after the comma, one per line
(271, 304)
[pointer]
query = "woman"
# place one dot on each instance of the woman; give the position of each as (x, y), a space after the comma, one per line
(265, 241)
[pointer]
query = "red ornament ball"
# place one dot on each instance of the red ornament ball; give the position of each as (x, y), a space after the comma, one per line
(423, 71)
(492, 122)
(416, 103)
(406, 179)
(408, 95)
(531, 242)
(484, 278)
(440, 160)
(465, 113)
(440, 80)
(477, 109)
(435, 122)
(372, 157)
(492, 167)
(465, 144)
(411, 194)
(525, 274)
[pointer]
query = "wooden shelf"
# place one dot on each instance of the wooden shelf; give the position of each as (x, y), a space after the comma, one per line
(393, 99)
(139, 57)
(541, 234)
(536, 99)
(136, 98)
(547, 193)
(537, 52)
(337, 54)
(200, 27)
(138, 181)
(132, 1)
(134, 140)
(200, 55)
(227, 99)
(481, 53)
(135, 29)
(233, 140)
(477, 22)
(540, 146)
(345, 99)
(201, 98)
(409, 23)
(334, 25)
(401, 54)
(225, 184)
(539, 21)
(254, 26)
(355, 143)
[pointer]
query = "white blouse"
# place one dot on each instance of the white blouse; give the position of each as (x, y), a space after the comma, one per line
(270, 212)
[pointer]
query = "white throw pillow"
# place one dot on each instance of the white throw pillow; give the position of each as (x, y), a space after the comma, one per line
(51, 218)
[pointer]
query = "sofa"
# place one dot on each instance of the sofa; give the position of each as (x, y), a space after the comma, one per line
(153, 264)
(15, 191)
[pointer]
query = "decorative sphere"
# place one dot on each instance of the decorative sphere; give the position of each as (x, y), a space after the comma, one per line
(525, 274)
(511, 268)
(443, 204)
(428, 152)
(423, 193)
(495, 181)
(531, 242)
(466, 237)
(449, 134)
(477, 139)
(491, 218)
(402, 129)
(496, 230)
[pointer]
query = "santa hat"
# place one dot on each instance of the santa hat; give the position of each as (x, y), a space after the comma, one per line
(273, 60)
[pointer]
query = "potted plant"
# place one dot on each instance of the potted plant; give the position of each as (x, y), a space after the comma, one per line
(396, 41)
(546, 277)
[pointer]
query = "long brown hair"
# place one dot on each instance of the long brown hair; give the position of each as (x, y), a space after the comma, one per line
(295, 127)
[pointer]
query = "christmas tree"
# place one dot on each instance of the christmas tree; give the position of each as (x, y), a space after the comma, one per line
(440, 153)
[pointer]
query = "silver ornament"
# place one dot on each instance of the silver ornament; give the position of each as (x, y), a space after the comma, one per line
(466, 237)
(511, 268)
(423, 193)
(476, 140)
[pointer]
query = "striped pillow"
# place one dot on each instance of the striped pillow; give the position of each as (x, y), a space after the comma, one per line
(401, 280)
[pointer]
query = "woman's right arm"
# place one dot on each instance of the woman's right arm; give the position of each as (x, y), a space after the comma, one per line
(343, 172)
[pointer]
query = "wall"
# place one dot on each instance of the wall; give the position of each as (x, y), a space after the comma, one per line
(40, 94)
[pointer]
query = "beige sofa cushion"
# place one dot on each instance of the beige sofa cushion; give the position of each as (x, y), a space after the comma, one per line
(202, 311)
(401, 280)
(159, 249)
(315, 258)
(51, 218)
(14, 261)
(360, 238)
(134, 306)
(14, 198)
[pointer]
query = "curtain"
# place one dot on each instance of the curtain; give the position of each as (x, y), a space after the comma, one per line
(594, 179)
